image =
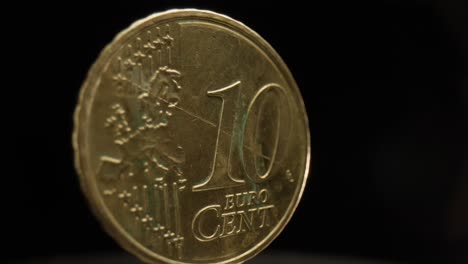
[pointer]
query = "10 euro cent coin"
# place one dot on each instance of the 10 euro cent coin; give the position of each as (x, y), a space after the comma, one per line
(191, 139)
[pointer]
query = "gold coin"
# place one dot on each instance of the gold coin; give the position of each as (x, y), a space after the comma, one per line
(191, 139)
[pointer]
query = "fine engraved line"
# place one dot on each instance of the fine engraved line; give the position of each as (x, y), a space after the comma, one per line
(251, 149)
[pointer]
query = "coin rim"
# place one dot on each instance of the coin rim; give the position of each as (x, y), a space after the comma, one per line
(97, 205)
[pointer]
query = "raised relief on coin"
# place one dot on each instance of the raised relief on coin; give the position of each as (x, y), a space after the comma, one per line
(147, 178)
(240, 212)
(191, 140)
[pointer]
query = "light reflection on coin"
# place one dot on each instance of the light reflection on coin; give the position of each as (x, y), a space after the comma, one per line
(191, 139)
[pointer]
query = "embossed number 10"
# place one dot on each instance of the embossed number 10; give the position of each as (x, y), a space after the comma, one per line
(228, 144)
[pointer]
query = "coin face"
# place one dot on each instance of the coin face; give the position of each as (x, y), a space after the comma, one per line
(191, 139)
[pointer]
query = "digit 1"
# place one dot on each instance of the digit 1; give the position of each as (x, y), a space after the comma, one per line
(220, 175)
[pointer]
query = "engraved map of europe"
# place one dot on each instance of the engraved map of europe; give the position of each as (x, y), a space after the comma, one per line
(147, 178)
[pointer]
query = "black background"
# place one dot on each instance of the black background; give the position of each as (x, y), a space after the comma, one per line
(385, 85)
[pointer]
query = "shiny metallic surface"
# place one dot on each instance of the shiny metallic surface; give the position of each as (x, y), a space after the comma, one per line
(191, 139)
